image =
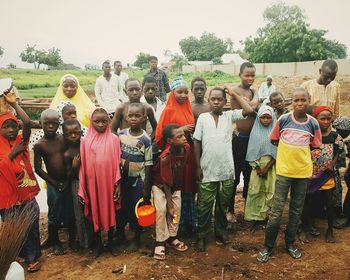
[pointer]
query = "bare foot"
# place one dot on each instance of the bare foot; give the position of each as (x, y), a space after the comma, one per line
(58, 250)
(330, 236)
(304, 237)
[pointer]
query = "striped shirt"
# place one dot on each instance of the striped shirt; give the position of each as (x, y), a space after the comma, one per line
(324, 95)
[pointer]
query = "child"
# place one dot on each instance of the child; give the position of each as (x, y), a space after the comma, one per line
(178, 111)
(215, 168)
(261, 155)
(17, 179)
(241, 134)
(133, 90)
(167, 181)
(50, 149)
(277, 103)
(72, 135)
(324, 159)
(342, 125)
(294, 133)
(199, 104)
(99, 176)
(136, 160)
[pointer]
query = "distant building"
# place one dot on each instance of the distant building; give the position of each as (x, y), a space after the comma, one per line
(232, 58)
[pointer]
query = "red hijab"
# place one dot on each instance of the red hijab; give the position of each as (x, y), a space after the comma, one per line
(174, 113)
(17, 179)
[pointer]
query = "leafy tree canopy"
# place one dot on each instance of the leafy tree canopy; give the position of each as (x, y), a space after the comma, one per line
(50, 57)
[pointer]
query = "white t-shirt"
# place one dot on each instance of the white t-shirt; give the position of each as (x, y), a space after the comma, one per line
(122, 78)
(107, 94)
(217, 159)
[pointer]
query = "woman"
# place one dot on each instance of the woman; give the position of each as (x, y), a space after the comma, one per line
(70, 90)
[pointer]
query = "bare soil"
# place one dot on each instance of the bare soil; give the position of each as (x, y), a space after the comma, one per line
(237, 260)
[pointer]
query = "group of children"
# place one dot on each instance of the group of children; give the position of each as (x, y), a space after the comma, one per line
(186, 157)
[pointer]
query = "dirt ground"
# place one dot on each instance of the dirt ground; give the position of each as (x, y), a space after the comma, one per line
(320, 260)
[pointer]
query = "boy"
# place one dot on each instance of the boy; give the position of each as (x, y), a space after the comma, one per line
(266, 88)
(160, 76)
(277, 103)
(199, 105)
(324, 90)
(122, 76)
(50, 149)
(167, 181)
(133, 90)
(215, 167)
(72, 134)
(241, 134)
(106, 89)
(136, 161)
(293, 133)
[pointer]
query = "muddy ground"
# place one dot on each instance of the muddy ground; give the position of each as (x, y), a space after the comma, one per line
(320, 260)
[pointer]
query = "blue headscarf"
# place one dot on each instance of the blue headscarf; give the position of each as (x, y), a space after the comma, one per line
(259, 141)
(178, 82)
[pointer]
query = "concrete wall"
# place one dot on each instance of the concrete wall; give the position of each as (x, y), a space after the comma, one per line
(277, 69)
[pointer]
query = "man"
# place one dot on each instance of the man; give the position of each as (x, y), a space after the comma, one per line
(122, 76)
(160, 76)
(106, 89)
(324, 90)
(266, 89)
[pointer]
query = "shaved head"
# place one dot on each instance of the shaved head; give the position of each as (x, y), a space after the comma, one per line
(49, 113)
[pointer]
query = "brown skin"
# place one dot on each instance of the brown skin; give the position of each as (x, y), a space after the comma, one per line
(153, 67)
(72, 136)
(106, 67)
(245, 91)
(199, 105)
(327, 75)
(135, 118)
(118, 68)
(181, 96)
(10, 128)
(217, 102)
(133, 90)
(50, 149)
(277, 103)
(69, 87)
(150, 91)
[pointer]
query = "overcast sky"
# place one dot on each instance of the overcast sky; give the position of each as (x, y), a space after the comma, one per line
(89, 31)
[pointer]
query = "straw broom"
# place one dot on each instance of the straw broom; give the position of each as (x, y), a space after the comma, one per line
(13, 232)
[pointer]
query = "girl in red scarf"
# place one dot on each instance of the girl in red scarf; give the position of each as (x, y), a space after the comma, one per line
(178, 111)
(18, 185)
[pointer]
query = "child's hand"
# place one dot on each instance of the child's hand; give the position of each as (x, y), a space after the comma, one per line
(21, 147)
(188, 128)
(199, 174)
(76, 161)
(258, 170)
(10, 97)
(263, 172)
(172, 212)
(116, 193)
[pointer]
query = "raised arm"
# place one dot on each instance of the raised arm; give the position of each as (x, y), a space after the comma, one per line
(247, 108)
(117, 119)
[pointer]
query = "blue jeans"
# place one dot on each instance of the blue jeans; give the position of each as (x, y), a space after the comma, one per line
(298, 187)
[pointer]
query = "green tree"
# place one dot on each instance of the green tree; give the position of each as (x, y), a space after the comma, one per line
(51, 57)
(288, 37)
(207, 47)
(142, 60)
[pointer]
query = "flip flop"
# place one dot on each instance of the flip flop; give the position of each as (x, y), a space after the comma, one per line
(34, 266)
(159, 253)
(263, 257)
(178, 245)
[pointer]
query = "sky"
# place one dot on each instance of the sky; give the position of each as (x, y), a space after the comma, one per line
(91, 31)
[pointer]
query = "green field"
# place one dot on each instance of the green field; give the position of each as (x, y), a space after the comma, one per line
(44, 83)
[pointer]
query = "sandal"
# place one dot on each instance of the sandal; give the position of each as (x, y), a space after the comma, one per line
(293, 252)
(34, 266)
(159, 253)
(314, 231)
(263, 256)
(177, 245)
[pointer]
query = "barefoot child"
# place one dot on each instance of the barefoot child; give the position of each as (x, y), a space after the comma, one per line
(136, 160)
(50, 149)
(261, 155)
(133, 90)
(277, 103)
(17, 180)
(243, 127)
(99, 176)
(214, 161)
(199, 104)
(294, 133)
(167, 180)
(72, 134)
(324, 159)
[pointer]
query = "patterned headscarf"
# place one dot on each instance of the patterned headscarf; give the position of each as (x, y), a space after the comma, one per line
(178, 82)
(342, 123)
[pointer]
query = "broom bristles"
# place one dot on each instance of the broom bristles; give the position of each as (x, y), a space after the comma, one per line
(13, 232)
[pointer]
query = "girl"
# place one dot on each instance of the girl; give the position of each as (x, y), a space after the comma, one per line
(99, 176)
(70, 90)
(178, 111)
(261, 155)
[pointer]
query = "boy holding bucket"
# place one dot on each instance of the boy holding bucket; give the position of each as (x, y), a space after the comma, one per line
(136, 161)
(167, 181)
